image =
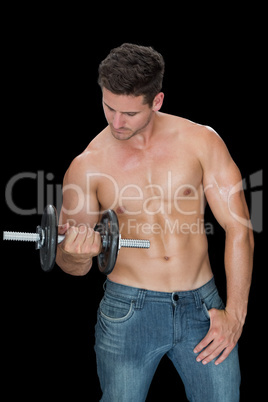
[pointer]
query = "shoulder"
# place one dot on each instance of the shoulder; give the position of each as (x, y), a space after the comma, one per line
(206, 145)
(89, 161)
(208, 137)
(201, 135)
(214, 157)
(203, 140)
(210, 147)
(190, 131)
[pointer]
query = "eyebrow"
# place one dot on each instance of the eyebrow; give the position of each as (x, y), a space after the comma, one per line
(109, 107)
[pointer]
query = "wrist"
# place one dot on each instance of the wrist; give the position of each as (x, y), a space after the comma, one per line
(237, 312)
(73, 264)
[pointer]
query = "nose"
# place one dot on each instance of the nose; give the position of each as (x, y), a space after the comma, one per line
(118, 120)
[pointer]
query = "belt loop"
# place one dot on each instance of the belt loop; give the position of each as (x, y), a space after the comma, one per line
(140, 299)
(104, 285)
(198, 300)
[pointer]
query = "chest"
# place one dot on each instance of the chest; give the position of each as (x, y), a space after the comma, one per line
(150, 182)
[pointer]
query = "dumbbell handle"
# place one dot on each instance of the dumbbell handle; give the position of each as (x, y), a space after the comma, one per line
(35, 237)
(23, 236)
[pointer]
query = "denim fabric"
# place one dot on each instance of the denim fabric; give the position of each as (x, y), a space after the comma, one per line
(136, 328)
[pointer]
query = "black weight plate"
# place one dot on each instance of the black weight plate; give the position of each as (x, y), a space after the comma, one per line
(49, 225)
(109, 230)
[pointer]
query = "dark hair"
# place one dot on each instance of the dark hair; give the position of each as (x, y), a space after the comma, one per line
(133, 70)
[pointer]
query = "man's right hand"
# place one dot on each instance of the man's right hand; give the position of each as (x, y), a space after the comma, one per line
(80, 245)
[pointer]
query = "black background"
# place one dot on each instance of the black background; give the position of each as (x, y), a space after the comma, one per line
(51, 110)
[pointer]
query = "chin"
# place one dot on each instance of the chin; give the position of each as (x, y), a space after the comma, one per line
(121, 136)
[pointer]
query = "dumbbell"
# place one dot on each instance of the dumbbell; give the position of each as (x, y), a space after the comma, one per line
(46, 239)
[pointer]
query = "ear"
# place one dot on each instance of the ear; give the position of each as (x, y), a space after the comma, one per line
(158, 102)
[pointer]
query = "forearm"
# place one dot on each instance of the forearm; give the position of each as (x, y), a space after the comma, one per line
(78, 265)
(238, 266)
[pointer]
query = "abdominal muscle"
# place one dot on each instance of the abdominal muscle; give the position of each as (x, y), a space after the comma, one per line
(177, 260)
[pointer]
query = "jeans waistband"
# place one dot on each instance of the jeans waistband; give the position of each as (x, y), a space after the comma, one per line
(133, 293)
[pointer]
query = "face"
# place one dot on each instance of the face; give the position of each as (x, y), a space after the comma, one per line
(126, 115)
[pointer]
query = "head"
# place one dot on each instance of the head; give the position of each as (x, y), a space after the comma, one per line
(133, 70)
(131, 79)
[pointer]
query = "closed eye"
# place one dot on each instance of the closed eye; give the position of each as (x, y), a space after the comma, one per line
(126, 113)
(112, 110)
(131, 113)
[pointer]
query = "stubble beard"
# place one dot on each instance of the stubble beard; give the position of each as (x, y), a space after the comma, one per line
(120, 136)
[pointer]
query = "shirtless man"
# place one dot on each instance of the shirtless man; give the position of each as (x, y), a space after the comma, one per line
(157, 172)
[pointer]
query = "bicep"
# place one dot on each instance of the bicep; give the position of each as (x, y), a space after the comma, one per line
(80, 204)
(225, 196)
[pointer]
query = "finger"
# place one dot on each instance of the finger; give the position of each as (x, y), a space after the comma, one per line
(84, 238)
(224, 355)
(97, 239)
(204, 343)
(63, 228)
(97, 242)
(209, 354)
(89, 236)
(71, 234)
(93, 242)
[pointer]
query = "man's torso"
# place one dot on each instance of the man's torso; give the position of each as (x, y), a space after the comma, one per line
(158, 195)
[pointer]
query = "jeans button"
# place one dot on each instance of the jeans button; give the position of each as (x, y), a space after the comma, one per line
(175, 297)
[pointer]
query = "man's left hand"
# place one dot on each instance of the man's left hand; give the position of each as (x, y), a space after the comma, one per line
(223, 335)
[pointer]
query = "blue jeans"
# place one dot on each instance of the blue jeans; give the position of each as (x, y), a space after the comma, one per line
(137, 327)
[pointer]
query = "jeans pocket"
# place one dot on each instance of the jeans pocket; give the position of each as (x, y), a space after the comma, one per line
(116, 310)
(205, 311)
(212, 301)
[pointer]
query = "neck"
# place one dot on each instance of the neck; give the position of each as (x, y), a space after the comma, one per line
(143, 137)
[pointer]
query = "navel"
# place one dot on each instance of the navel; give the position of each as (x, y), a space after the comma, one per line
(166, 258)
